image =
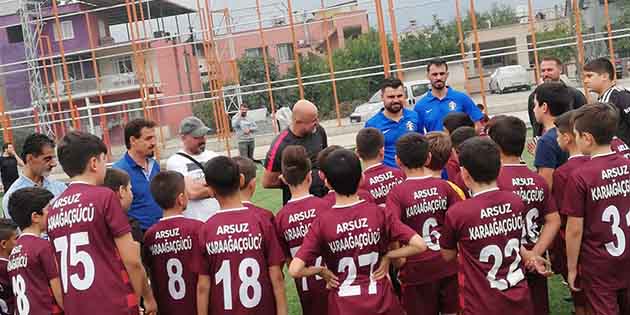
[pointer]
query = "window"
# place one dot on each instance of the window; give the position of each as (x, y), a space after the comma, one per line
(67, 32)
(256, 52)
(102, 30)
(14, 34)
(285, 53)
(123, 65)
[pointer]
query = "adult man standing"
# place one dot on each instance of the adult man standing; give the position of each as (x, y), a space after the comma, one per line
(188, 162)
(139, 163)
(442, 99)
(394, 120)
(38, 152)
(9, 162)
(244, 127)
(550, 70)
(305, 131)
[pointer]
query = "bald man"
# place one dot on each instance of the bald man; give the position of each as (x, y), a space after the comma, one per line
(305, 131)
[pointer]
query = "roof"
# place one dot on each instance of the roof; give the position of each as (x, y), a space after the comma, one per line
(157, 9)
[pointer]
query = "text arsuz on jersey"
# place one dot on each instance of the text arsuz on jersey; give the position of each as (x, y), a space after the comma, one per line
(496, 210)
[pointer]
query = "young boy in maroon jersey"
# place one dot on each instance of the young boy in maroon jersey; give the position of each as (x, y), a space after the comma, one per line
(378, 178)
(292, 223)
(566, 141)
(487, 231)
(440, 148)
(542, 221)
(87, 224)
(353, 239)
(620, 147)
(171, 247)
(241, 266)
(8, 236)
(429, 285)
(119, 181)
(32, 268)
(597, 207)
(330, 196)
(247, 168)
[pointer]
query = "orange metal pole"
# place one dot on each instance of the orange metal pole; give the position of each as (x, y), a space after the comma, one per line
(38, 128)
(478, 53)
(383, 38)
(580, 42)
(76, 123)
(462, 50)
(331, 67)
(532, 30)
(7, 135)
(139, 65)
(47, 83)
(296, 55)
(267, 72)
(125, 116)
(611, 48)
(392, 19)
(97, 77)
(56, 86)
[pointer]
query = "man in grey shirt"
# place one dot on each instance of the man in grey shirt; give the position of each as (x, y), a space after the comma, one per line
(244, 128)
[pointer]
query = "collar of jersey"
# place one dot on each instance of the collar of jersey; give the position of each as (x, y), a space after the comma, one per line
(172, 217)
(416, 177)
(301, 198)
(348, 206)
(602, 155)
(29, 234)
(80, 182)
(485, 191)
(232, 209)
(576, 156)
(373, 166)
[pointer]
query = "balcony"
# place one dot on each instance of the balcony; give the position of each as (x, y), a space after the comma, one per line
(114, 83)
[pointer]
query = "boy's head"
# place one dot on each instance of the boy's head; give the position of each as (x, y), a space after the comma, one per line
(343, 172)
(169, 190)
(412, 151)
(8, 235)
(223, 176)
(480, 160)
(551, 99)
(370, 144)
(440, 149)
(296, 166)
(29, 207)
(460, 135)
(564, 125)
(599, 74)
(247, 167)
(594, 125)
(509, 134)
(454, 120)
(119, 181)
(321, 159)
(81, 153)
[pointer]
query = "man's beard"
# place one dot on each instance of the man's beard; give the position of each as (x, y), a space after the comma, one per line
(201, 148)
(46, 173)
(394, 108)
(151, 153)
(441, 85)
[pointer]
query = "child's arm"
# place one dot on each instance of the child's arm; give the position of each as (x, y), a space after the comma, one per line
(416, 246)
(130, 255)
(277, 282)
(55, 286)
(548, 233)
(203, 294)
(575, 228)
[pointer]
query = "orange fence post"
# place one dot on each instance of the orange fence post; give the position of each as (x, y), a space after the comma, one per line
(462, 50)
(392, 19)
(272, 104)
(296, 55)
(7, 135)
(139, 71)
(56, 86)
(383, 38)
(38, 128)
(478, 53)
(611, 48)
(47, 83)
(331, 67)
(532, 30)
(580, 42)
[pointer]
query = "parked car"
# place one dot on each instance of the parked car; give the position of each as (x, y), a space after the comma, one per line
(509, 78)
(414, 90)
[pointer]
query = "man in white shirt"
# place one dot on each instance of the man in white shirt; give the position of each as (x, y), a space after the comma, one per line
(189, 162)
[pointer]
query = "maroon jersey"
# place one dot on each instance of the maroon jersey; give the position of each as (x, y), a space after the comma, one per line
(379, 179)
(452, 167)
(171, 253)
(82, 225)
(264, 213)
(488, 229)
(7, 299)
(561, 177)
(31, 266)
(598, 193)
(352, 239)
(331, 198)
(292, 224)
(459, 182)
(534, 192)
(421, 203)
(620, 147)
(238, 249)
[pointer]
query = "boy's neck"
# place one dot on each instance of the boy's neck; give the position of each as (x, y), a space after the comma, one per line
(230, 202)
(606, 87)
(342, 200)
(433, 173)
(507, 159)
(479, 187)
(5, 255)
(299, 191)
(246, 195)
(417, 172)
(33, 229)
(573, 150)
(172, 212)
(370, 163)
(85, 178)
(549, 123)
(601, 149)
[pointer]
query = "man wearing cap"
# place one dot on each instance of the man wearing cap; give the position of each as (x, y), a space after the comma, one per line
(244, 128)
(188, 162)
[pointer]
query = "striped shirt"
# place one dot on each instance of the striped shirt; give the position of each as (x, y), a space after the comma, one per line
(620, 97)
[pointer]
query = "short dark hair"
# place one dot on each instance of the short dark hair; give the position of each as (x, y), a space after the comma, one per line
(369, 142)
(391, 83)
(455, 120)
(76, 149)
(323, 154)
(480, 157)
(460, 135)
(6, 145)
(166, 186)
(295, 164)
(412, 149)
(601, 66)
(26, 201)
(247, 167)
(436, 62)
(564, 122)
(223, 175)
(440, 147)
(34, 145)
(599, 119)
(134, 129)
(509, 133)
(116, 178)
(554, 59)
(556, 95)
(8, 228)
(343, 171)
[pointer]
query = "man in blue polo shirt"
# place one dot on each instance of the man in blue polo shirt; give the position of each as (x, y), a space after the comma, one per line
(139, 163)
(394, 120)
(442, 99)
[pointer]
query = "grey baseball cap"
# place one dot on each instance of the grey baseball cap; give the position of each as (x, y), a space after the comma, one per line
(193, 126)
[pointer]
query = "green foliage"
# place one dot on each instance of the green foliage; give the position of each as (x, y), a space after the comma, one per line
(565, 54)
(622, 45)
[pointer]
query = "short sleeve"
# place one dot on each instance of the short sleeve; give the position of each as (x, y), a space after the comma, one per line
(310, 248)
(273, 158)
(420, 114)
(197, 255)
(471, 108)
(549, 202)
(398, 231)
(273, 249)
(203, 263)
(115, 216)
(545, 157)
(278, 228)
(449, 237)
(392, 205)
(574, 199)
(48, 262)
(559, 184)
(172, 164)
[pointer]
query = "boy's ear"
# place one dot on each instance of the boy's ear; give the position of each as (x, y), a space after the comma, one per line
(545, 108)
(241, 182)
(321, 174)
(428, 161)
(381, 152)
(283, 180)
(398, 162)
(3, 244)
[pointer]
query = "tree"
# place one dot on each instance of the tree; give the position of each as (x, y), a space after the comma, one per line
(566, 54)
(252, 71)
(622, 45)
